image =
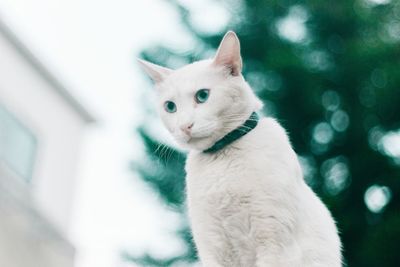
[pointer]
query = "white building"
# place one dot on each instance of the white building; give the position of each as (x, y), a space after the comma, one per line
(41, 129)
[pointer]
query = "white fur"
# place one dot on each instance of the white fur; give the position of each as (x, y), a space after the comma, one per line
(248, 203)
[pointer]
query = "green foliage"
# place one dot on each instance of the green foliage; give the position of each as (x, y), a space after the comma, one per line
(336, 91)
(164, 171)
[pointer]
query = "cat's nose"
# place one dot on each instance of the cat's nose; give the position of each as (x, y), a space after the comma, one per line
(187, 128)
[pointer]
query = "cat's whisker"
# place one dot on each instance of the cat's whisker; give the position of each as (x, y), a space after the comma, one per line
(170, 152)
(164, 152)
(160, 149)
(159, 146)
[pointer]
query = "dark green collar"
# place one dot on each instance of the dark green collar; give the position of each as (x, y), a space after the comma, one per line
(243, 129)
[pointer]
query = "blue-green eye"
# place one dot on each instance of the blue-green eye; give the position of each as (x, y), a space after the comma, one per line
(169, 106)
(202, 95)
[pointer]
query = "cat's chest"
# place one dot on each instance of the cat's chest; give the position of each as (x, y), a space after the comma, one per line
(220, 179)
(222, 190)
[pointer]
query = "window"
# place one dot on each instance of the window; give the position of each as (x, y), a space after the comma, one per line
(17, 145)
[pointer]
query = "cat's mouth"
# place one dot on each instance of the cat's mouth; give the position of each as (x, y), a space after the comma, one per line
(194, 139)
(189, 139)
(198, 136)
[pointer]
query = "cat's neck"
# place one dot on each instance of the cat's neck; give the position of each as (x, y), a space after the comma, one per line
(234, 135)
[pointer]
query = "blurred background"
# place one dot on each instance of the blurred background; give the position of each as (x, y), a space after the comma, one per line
(88, 175)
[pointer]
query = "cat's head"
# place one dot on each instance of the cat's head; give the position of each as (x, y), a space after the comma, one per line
(203, 101)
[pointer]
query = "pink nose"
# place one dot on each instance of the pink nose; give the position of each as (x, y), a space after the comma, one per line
(187, 128)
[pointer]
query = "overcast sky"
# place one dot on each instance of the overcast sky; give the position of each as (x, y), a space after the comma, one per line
(91, 47)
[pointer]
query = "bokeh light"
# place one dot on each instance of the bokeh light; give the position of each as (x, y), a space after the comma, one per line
(377, 197)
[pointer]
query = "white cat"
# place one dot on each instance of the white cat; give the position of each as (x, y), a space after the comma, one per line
(248, 203)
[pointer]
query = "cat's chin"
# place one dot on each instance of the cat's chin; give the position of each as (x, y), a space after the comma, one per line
(197, 143)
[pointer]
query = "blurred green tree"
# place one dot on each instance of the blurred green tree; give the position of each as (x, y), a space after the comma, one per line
(329, 71)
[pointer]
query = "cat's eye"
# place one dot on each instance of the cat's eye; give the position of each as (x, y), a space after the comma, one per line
(202, 95)
(169, 106)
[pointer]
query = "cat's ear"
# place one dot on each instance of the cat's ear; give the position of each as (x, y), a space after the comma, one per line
(228, 53)
(156, 73)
